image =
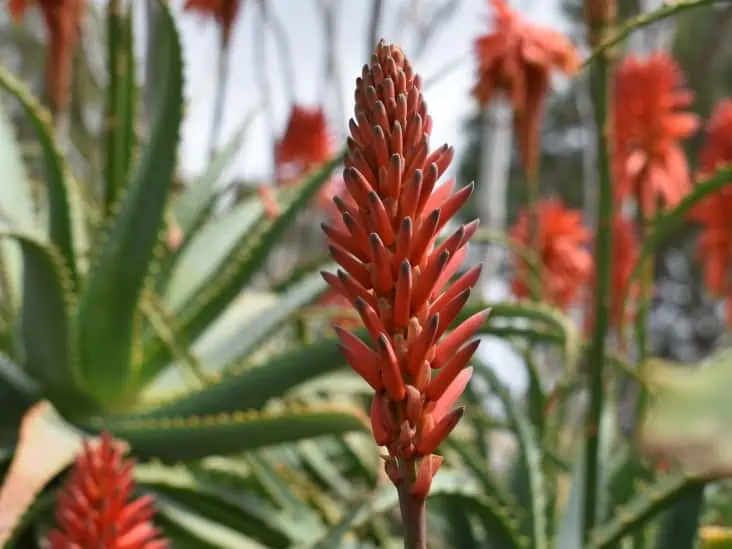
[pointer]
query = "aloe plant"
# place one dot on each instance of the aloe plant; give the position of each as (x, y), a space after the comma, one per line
(105, 328)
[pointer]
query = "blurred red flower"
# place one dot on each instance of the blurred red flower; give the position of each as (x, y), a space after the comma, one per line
(62, 19)
(305, 144)
(94, 507)
(649, 123)
(566, 263)
(223, 11)
(517, 58)
(714, 213)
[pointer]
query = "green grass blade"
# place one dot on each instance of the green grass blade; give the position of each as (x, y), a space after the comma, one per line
(58, 182)
(181, 439)
(108, 307)
(214, 499)
(530, 452)
(189, 527)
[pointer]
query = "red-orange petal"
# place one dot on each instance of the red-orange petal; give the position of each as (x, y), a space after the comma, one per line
(429, 441)
(379, 427)
(353, 290)
(391, 376)
(427, 280)
(402, 296)
(465, 282)
(446, 375)
(455, 339)
(426, 471)
(451, 394)
(370, 319)
(449, 312)
(381, 275)
(422, 344)
(361, 357)
(353, 266)
(380, 219)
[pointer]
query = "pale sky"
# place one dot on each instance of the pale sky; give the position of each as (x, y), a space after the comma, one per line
(448, 100)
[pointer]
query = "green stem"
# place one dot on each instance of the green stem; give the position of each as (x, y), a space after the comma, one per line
(644, 20)
(221, 85)
(533, 199)
(641, 322)
(599, 81)
(413, 508)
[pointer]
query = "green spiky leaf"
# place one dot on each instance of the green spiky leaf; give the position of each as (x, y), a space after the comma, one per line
(214, 499)
(648, 501)
(46, 329)
(120, 108)
(16, 210)
(253, 386)
(58, 182)
(179, 439)
(107, 308)
(208, 250)
(192, 208)
(17, 393)
(236, 347)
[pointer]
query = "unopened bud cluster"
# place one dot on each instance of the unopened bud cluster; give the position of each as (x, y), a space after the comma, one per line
(396, 274)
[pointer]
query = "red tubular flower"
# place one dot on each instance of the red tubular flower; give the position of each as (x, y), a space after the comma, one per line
(93, 509)
(223, 11)
(714, 212)
(397, 276)
(517, 57)
(566, 264)
(305, 145)
(62, 19)
(649, 123)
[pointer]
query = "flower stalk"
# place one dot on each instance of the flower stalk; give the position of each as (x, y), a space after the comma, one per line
(598, 27)
(399, 279)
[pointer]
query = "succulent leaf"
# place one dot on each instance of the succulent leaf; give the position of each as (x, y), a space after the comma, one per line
(108, 306)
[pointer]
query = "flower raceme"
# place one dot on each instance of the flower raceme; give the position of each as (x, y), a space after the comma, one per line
(649, 124)
(517, 57)
(565, 262)
(62, 19)
(223, 11)
(397, 276)
(94, 510)
(714, 212)
(305, 145)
